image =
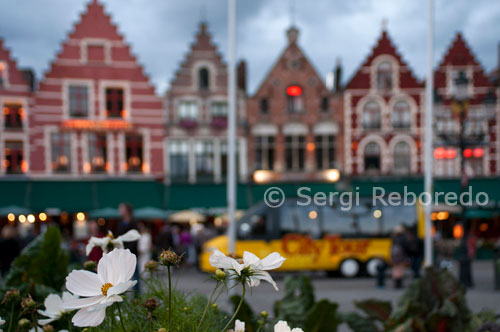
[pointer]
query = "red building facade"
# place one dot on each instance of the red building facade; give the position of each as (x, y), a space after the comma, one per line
(383, 115)
(294, 121)
(16, 102)
(96, 112)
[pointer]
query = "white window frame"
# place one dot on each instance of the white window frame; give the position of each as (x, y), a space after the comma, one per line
(118, 84)
(67, 83)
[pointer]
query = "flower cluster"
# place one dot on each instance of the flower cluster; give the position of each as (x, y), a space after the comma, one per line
(109, 242)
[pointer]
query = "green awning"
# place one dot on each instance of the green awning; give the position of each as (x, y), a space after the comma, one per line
(480, 214)
(17, 210)
(150, 212)
(107, 212)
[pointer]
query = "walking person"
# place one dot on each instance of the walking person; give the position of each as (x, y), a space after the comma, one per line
(399, 257)
(127, 224)
(144, 246)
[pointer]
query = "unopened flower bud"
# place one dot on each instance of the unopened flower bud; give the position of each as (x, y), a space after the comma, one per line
(169, 258)
(162, 329)
(90, 266)
(11, 295)
(48, 328)
(151, 265)
(264, 314)
(150, 304)
(186, 309)
(23, 323)
(214, 305)
(28, 304)
(220, 275)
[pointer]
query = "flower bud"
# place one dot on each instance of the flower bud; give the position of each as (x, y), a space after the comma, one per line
(11, 295)
(48, 328)
(186, 309)
(162, 329)
(214, 305)
(150, 304)
(151, 265)
(24, 323)
(264, 314)
(28, 304)
(90, 266)
(220, 275)
(169, 258)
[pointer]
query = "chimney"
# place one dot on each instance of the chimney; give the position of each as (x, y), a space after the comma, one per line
(241, 75)
(338, 76)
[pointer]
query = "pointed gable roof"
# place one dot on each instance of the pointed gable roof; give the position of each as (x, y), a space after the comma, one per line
(15, 76)
(95, 23)
(384, 46)
(202, 49)
(280, 66)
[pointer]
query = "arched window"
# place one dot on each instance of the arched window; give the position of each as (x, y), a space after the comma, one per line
(372, 157)
(371, 115)
(384, 76)
(402, 158)
(401, 115)
(203, 79)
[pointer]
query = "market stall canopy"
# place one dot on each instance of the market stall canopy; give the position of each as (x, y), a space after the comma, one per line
(107, 212)
(187, 216)
(17, 210)
(150, 212)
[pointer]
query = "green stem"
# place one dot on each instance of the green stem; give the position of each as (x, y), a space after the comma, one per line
(121, 317)
(11, 316)
(237, 308)
(206, 307)
(70, 326)
(169, 298)
(218, 295)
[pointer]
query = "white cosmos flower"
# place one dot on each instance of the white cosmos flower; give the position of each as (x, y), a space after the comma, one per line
(251, 267)
(109, 242)
(1, 323)
(53, 307)
(239, 326)
(100, 290)
(282, 326)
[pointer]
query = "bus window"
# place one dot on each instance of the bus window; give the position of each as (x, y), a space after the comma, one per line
(397, 215)
(254, 224)
(299, 219)
(336, 221)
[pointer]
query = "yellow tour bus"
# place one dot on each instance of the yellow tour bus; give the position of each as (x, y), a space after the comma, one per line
(314, 237)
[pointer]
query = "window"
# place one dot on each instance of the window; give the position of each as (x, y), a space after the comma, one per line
(203, 79)
(115, 103)
(98, 153)
(61, 148)
(371, 115)
(294, 153)
(219, 109)
(445, 126)
(325, 151)
(14, 162)
(13, 116)
(294, 99)
(179, 160)
(401, 115)
(372, 157)
(96, 53)
(325, 104)
(78, 101)
(223, 158)
(187, 110)
(264, 106)
(384, 76)
(474, 166)
(296, 219)
(402, 158)
(254, 224)
(264, 152)
(445, 161)
(3, 74)
(134, 153)
(204, 160)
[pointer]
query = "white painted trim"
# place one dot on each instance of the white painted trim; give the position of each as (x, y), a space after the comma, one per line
(295, 129)
(89, 84)
(123, 84)
(85, 42)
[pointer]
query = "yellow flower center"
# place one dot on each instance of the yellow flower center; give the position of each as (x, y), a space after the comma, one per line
(105, 287)
(110, 235)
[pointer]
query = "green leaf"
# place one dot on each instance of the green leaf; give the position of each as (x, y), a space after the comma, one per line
(298, 299)
(322, 317)
(375, 309)
(358, 323)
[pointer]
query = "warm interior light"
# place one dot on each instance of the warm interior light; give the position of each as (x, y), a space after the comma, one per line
(80, 216)
(332, 175)
(11, 217)
(42, 216)
(467, 153)
(310, 146)
(262, 176)
(294, 90)
(443, 215)
(313, 215)
(450, 154)
(101, 221)
(478, 152)
(377, 214)
(31, 218)
(458, 231)
(22, 218)
(483, 227)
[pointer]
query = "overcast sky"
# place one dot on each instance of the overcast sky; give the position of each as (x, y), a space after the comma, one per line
(160, 31)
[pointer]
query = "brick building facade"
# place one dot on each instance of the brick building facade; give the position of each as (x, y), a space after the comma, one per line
(96, 112)
(16, 102)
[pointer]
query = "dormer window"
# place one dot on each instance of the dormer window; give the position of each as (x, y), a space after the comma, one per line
(115, 103)
(294, 99)
(264, 106)
(204, 79)
(3, 74)
(384, 76)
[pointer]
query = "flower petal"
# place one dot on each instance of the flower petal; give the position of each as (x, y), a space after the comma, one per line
(263, 275)
(281, 326)
(250, 259)
(297, 330)
(121, 287)
(52, 306)
(219, 260)
(83, 303)
(83, 283)
(131, 235)
(239, 326)
(272, 261)
(85, 317)
(45, 321)
(96, 242)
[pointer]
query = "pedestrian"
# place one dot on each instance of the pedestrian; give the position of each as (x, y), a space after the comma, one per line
(165, 239)
(415, 251)
(187, 245)
(9, 248)
(399, 257)
(144, 246)
(127, 223)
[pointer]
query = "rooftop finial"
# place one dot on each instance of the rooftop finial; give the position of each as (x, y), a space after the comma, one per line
(385, 21)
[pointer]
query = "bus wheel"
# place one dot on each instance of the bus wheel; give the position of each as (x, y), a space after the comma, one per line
(349, 268)
(372, 265)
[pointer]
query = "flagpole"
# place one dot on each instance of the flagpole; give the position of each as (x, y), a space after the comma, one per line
(231, 134)
(428, 148)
